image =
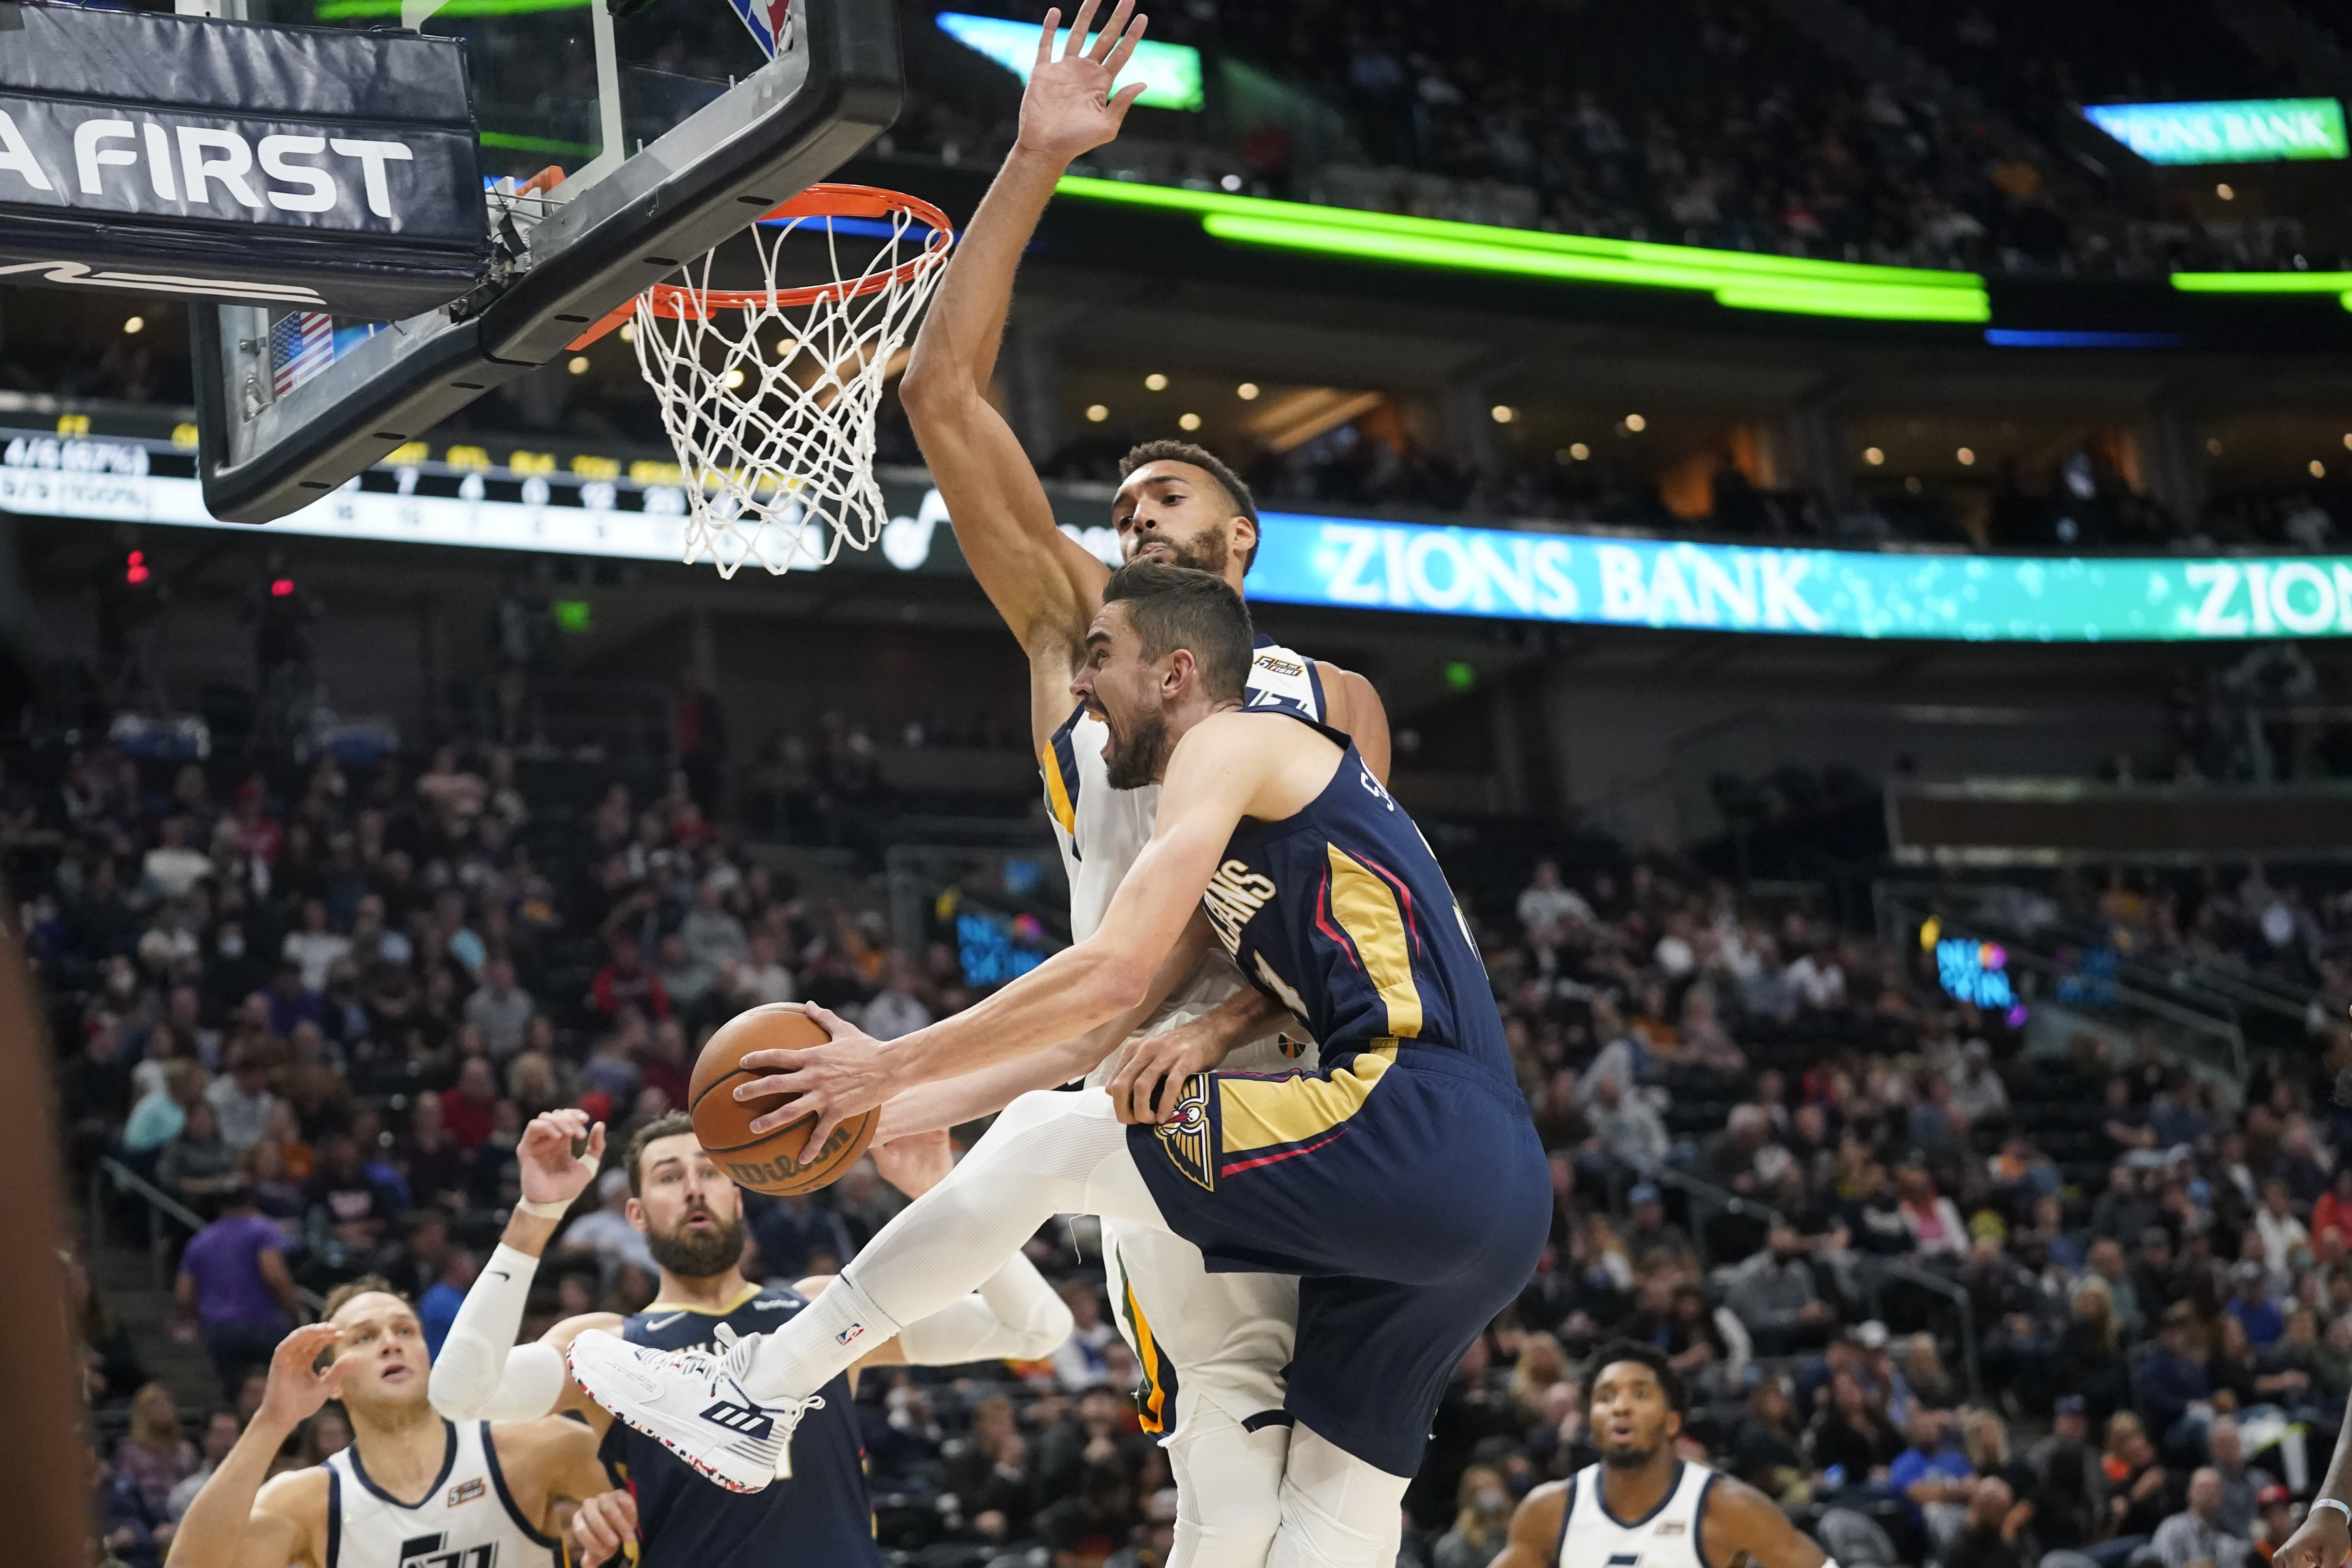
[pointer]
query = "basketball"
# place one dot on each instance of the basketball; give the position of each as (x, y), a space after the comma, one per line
(773, 1164)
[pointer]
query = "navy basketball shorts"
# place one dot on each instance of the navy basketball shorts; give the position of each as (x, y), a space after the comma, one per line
(1408, 1190)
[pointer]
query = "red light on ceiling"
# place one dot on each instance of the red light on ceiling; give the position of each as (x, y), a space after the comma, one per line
(135, 569)
(281, 588)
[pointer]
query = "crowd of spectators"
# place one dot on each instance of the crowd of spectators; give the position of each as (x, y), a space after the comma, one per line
(315, 1008)
(1692, 122)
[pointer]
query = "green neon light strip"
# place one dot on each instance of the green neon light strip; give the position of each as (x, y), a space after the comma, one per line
(540, 144)
(2263, 282)
(1740, 288)
(1738, 280)
(348, 10)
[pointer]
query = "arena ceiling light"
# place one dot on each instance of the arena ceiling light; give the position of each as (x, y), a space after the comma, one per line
(1737, 279)
(1171, 73)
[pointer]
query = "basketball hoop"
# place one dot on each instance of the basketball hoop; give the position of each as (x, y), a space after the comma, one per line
(770, 395)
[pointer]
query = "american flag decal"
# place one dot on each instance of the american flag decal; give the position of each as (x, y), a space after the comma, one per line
(300, 345)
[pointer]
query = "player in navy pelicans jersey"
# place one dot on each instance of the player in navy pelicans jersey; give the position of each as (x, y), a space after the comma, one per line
(661, 1514)
(1402, 1178)
(1641, 1506)
(1212, 1347)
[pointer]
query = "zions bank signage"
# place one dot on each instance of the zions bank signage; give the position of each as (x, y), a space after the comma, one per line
(584, 504)
(1822, 593)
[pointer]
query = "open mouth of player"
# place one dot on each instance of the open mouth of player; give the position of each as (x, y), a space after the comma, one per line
(398, 1371)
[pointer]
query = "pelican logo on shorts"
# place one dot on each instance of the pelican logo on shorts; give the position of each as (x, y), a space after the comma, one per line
(1186, 1139)
(740, 1419)
(468, 1491)
(433, 1551)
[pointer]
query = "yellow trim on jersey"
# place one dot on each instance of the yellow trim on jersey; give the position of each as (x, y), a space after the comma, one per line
(1366, 908)
(1258, 1113)
(1058, 791)
(750, 1290)
(1152, 1412)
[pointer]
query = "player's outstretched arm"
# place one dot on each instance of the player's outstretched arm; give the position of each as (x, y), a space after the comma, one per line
(950, 1102)
(1745, 1529)
(1534, 1529)
(1213, 779)
(234, 1521)
(481, 1375)
(1045, 586)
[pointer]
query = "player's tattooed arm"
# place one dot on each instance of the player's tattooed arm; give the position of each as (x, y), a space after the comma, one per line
(1534, 1539)
(1044, 583)
(1741, 1522)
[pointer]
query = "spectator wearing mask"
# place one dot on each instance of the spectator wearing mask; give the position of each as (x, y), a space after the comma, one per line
(1773, 1293)
(1482, 1521)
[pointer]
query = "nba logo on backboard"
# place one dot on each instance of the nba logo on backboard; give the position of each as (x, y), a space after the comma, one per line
(770, 21)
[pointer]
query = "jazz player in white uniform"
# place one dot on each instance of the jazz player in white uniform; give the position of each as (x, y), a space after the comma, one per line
(1643, 1506)
(1212, 1346)
(413, 1490)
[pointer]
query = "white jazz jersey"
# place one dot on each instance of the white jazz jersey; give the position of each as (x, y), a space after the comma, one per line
(1209, 1345)
(1101, 830)
(1667, 1537)
(467, 1518)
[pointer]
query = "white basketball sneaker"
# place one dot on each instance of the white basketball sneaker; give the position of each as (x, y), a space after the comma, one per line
(691, 1404)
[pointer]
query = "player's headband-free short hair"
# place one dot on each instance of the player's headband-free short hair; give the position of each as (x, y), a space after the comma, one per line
(343, 1294)
(1237, 493)
(1178, 607)
(633, 1158)
(1670, 1382)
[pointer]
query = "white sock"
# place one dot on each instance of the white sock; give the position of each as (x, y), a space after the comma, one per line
(1048, 1153)
(824, 1341)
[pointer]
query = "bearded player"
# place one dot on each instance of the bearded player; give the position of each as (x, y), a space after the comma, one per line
(1211, 1346)
(412, 1488)
(1641, 1506)
(1403, 1179)
(691, 1217)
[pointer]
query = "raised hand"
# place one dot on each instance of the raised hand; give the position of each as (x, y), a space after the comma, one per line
(298, 1385)
(834, 1082)
(1069, 108)
(2321, 1541)
(552, 1172)
(915, 1164)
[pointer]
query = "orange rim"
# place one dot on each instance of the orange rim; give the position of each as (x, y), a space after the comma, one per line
(680, 303)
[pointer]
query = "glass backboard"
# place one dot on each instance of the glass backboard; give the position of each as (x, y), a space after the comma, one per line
(618, 139)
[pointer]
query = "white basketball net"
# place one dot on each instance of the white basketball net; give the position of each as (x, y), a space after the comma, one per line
(777, 447)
